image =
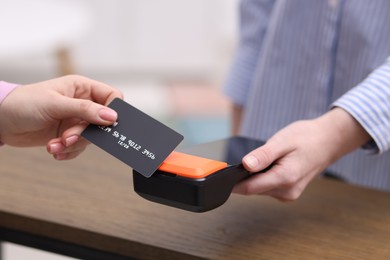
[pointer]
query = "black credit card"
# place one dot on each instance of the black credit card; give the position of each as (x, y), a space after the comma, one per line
(136, 139)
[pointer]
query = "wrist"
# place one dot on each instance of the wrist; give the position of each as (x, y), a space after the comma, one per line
(343, 132)
(5, 89)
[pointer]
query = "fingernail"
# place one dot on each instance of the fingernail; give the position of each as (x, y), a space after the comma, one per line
(55, 148)
(108, 114)
(251, 161)
(71, 140)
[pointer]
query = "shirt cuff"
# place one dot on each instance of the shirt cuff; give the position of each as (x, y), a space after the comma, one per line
(369, 104)
(5, 89)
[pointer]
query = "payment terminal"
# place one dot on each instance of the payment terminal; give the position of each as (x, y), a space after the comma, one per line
(198, 178)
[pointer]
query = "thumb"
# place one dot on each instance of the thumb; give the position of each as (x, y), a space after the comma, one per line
(263, 156)
(85, 109)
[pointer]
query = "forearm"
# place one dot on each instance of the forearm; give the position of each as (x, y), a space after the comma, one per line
(236, 117)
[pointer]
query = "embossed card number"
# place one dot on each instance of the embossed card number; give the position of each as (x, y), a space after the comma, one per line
(136, 139)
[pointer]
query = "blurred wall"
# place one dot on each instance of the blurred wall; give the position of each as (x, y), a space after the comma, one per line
(142, 38)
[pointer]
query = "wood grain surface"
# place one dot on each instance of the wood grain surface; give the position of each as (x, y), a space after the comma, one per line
(90, 201)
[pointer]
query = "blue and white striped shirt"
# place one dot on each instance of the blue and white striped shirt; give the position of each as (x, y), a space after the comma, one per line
(297, 58)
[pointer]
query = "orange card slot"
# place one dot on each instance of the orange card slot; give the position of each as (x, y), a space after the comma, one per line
(190, 166)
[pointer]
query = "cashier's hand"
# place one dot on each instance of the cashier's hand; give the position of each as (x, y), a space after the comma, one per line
(55, 112)
(300, 152)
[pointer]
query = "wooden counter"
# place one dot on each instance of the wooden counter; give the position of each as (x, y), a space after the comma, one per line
(90, 202)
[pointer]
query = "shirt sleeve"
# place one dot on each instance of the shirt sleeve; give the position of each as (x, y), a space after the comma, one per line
(369, 104)
(5, 89)
(254, 19)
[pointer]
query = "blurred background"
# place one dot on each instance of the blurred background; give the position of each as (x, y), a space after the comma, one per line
(169, 57)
